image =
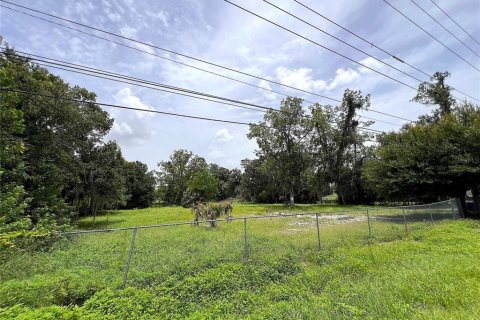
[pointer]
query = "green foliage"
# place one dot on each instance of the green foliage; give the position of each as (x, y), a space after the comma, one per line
(203, 185)
(427, 161)
(282, 141)
(437, 93)
(104, 179)
(174, 175)
(187, 178)
(307, 156)
(407, 278)
(339, 148)
(140, 185)
(45, 142)
(54, 164)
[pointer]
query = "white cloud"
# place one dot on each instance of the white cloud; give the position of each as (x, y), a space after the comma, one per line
(131, 128)
(128, 31)
(121, 129)
(223, 135)
(342, 77)
(126, 98)
(301, 78)
(162, 17)
(267, 94)
(370, 62)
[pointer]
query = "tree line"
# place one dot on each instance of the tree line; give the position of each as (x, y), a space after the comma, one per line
(55, 164)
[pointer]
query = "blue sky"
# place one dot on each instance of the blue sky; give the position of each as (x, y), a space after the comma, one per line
(218, 32)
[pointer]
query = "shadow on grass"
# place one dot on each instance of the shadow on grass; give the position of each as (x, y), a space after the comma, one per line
(99, 224)
(414, 217)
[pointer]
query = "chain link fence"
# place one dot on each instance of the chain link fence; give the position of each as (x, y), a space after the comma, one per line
(144, 255)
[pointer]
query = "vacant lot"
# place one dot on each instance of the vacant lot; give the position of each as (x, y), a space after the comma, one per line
(430, 272)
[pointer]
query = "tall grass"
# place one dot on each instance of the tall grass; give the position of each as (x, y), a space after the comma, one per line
(431, 272)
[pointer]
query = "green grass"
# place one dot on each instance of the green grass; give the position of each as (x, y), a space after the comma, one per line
(158, 215)
(431, 272)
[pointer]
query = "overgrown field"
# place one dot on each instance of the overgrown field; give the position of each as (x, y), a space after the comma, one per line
(430, 272)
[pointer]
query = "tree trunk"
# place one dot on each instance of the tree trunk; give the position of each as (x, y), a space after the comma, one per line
(463, 205)
(476, 199)
(292, 195)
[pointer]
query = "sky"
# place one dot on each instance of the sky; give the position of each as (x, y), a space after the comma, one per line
(218, 32)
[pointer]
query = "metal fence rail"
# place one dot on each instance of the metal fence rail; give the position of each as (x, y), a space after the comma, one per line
(247, 241)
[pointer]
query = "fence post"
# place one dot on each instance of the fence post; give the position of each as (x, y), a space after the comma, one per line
(130, 252)
(318, 232)
(431, 214)
(405, 220)
(369, 227)
(245, 249)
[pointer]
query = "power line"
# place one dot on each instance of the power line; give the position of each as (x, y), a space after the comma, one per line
(149, 53)
(180, 54)
(94, 72)
(56, 63)
(155, 47)
(361, 38)
(164, 58)
(354, 47)
(455, 22)
(342, 41)
(148, 110)
(391, 123)
(328, 49)
(377, 47)
(441, 25)
(432, 36)
(320, 45)
(130, 108)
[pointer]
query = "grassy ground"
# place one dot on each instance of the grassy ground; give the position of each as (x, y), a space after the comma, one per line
(431, 272)
(149, 216)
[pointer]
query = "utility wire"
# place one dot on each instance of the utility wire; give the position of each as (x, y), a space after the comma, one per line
(320, 45)
(361, 38)
(155, 47)
(130, 108)
(183, 55)
(326, 48)
(108, 75)
(441, 25)
(94, 72)
(377, 47)
(455, 22)
(159, 56)
(168, 59)
(432, 36)
(342, 41)
(150, 111)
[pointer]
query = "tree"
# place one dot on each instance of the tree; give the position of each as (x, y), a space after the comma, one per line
(338, 148)
(438, 94)
(259, 183)
(13, 198)
(282, 139)
(140, 185)
(174, 175)
(430, 161)
(104, 179)
(55, 134)
(228, 181)
(202, 186)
